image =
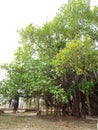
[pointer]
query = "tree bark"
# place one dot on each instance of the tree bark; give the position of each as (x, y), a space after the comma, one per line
(38, 104)
(88, 104)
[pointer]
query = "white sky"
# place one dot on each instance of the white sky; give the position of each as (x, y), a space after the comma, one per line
(15, 14)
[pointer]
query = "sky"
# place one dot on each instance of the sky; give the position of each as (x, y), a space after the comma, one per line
(17, 14)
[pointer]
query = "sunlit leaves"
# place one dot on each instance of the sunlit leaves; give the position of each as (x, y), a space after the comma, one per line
(80, 56)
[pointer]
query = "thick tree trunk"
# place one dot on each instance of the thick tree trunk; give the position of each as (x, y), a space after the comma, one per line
(38, 104)
(76, 106)
(15, 104)
(88, 104)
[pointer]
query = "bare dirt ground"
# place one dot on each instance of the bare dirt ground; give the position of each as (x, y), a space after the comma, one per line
(29, 121)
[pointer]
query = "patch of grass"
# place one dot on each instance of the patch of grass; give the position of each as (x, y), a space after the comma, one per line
(28, 121)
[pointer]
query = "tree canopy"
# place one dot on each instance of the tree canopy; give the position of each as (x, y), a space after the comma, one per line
(60, 58)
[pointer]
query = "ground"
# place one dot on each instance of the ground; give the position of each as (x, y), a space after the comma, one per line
(29, 121)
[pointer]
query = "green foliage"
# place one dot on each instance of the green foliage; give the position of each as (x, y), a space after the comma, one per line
(77, 18)
(60, 94)
(58, 57)
(81, 58)
(87, 85)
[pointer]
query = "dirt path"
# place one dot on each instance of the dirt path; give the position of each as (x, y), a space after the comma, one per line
(28, 121)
